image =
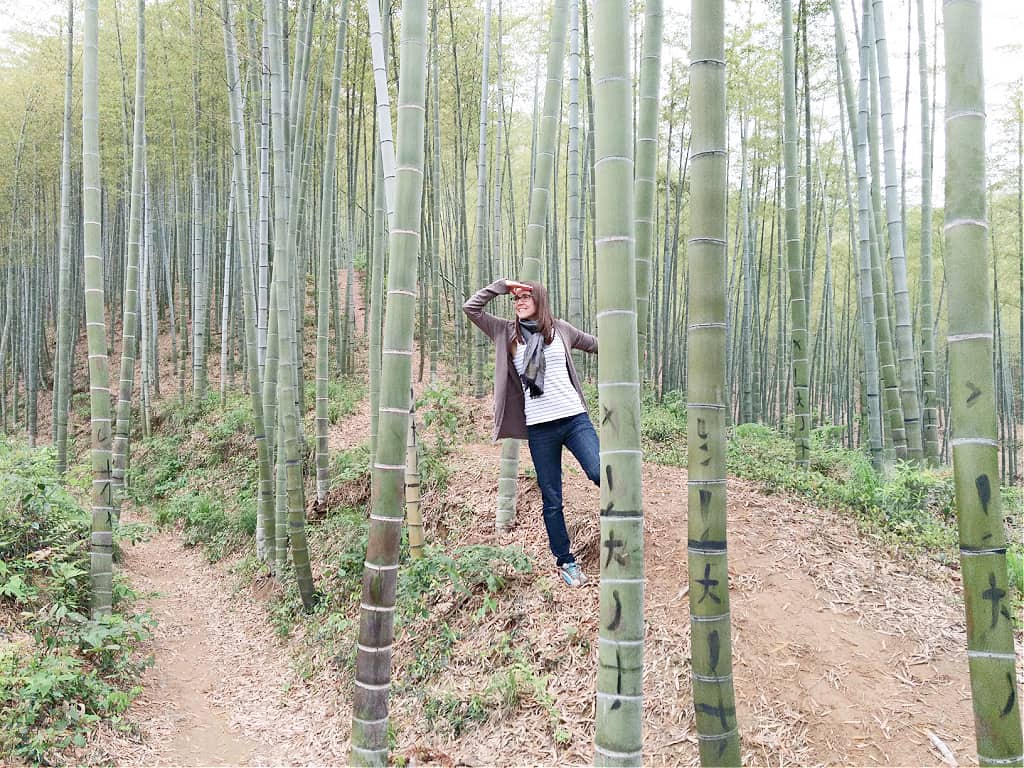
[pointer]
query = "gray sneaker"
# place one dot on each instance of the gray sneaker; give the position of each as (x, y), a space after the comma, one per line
(572, 574)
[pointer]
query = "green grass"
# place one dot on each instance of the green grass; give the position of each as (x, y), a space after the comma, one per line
(206, 522)
(351, 465)
(475, 577)
(914, 505)
(453, 714)
(343, 395)
(62, 673)
(340, 541)
(199, 471)
(158, 468)
(663, 429)
(443, 421)
(474, 570)
(513, 684)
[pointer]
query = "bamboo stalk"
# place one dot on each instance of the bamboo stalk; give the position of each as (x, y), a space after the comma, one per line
(990, 648)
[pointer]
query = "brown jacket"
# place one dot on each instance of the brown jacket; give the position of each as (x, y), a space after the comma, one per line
(509, 403)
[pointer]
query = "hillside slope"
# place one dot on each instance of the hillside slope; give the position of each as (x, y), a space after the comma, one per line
(845, 652)
(842, 655)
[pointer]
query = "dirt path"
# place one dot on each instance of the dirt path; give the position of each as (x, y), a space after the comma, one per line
(842, 655)
(189, 659)
(222, 690)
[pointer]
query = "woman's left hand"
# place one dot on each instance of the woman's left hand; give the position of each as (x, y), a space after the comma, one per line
(514, 286)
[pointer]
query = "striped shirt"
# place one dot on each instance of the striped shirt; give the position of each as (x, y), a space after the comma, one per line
(560, 398)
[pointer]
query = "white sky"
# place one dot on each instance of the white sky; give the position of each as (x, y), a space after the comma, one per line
(25, 15)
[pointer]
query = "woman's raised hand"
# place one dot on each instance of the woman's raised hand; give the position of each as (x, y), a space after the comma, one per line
(513, 286)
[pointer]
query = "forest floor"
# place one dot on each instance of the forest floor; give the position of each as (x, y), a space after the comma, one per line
(842, 655)
(845, 652)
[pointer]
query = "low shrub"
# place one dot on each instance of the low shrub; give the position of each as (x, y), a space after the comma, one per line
(63, 673)
(442, 415)
(343, 395)
(351, 465)
(663, 428)
(473, 569)
(206, 522)
(52, 701)
(158, 469)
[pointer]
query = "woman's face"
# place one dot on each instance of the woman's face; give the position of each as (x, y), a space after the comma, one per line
(526, 308)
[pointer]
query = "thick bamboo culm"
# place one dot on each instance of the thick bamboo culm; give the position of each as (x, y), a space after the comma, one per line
(972, 396)
(710, 621)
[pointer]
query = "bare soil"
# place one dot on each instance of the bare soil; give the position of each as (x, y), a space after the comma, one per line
(189, 658)
(222, 691)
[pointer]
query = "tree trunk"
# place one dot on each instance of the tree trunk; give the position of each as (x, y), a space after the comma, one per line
(413, 512)
(575, 250)
(62, 384)
(618, 734)
(897, 258)
(990, 649)
(869, 343)
(102, 538)
(711, 645)
(930, 435)
(264, 509)
(482, 343)
(797, 304)
(746, 324)
(325, 272)
(539, 193)
(645, 188)
(895, 438)
(130, 318)
(376, 627)
(289, 458)
(225, 306)
(384, 203)
(435, 202)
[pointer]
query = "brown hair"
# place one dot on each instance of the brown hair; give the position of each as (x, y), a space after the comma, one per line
(545, 320)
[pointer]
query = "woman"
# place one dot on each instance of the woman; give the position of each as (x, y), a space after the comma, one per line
(532, 358)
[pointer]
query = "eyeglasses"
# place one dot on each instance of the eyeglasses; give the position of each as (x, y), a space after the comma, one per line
(522, 297)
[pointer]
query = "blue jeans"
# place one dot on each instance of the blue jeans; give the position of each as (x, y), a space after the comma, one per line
(546, 440)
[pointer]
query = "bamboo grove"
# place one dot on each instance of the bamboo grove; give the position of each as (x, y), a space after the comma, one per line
(730, 210)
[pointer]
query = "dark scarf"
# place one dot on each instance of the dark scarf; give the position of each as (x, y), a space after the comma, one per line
(533, 368)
